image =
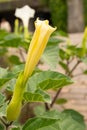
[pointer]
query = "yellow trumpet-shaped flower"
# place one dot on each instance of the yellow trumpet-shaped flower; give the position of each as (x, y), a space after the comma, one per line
(37, 46)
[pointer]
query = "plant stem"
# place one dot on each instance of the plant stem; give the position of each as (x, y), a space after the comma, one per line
(68, 74)
(7, 125)
(75, 66)
(56, 96)
(47, 107)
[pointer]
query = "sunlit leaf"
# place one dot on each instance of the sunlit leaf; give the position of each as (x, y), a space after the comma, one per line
(54, 120)
(3, 110)
(14, 59)
(38, 96)
(50, 56)
(47, 80)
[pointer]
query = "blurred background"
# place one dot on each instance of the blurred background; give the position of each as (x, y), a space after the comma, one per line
(70, 16)
(67, 15)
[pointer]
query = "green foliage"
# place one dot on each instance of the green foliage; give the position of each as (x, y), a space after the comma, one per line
(37, 96)
(13, 40)
(58, 9)
(47, 80)
(41, 81)
(14, 59)
(1, 127)
(2, 99)
(50, 55)
(54, 120)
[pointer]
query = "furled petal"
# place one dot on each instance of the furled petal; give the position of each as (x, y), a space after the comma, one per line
(37, 46)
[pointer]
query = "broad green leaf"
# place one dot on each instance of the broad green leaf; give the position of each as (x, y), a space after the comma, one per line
(3, 33)
(37, 96)
(2, 99)
(6, 78)
(16, 128)
(37, 123)
(60, 33)
(14, 59)
(75, 115)
(50, 55)
(6, 75)
(48, 80)
(64, 66)
(12, 40)
(18, 68)
(3, 76)
(10, 85)
(54, 120)
(53, 114)
(40, 109)
(3, 110)
(2, 126)
(54, 40)
(63, 55)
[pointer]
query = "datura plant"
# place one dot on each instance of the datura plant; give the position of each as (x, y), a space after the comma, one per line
(38, 43)
(25, 13)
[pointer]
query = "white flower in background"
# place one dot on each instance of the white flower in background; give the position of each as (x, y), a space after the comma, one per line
(25, 13)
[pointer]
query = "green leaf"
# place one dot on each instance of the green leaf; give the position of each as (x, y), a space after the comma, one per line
(75, 115)
(40, 109)
(15, 128)
(3, 110)
(6, 75)
(64, 66)
(54, 40)
(3, 76)
(37, 123)
(3, 33)
(53, 120)
(2, 99)
(37, 96)
(14, 59)
(18, 68)
(63, 55)
(10, 85)
(50, 55)
(60, 33)
(2, 127)
(47, 80)
(12, 40)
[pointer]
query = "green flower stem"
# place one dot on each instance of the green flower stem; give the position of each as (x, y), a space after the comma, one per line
(14, 108)
(16, 26)
(26, 32)
(36, 48)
